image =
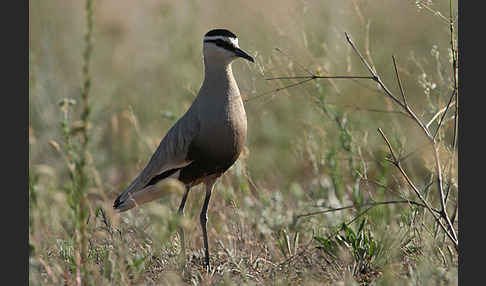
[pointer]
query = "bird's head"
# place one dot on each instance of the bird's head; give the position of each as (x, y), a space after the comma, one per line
(222, 45)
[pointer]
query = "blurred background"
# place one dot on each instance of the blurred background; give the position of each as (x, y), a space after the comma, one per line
(312, 144)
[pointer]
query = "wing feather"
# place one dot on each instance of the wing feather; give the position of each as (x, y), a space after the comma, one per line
(170, 154)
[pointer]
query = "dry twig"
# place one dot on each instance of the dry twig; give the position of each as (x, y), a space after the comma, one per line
(372, 204)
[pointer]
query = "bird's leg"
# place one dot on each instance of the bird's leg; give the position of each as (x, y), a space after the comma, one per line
(204, 218)
(180, 213)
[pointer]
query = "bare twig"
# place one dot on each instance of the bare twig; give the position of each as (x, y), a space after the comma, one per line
(304, 79)
(317, 76)
(441, 192)
(441, 111)
(395, 160)
(454, 72)
(451, 234)
(387, 91)
(372, 204)
(359, 108)
(279, 89)
(399, 81)
(444, 114)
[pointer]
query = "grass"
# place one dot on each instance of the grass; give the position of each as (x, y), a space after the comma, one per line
(320, 196)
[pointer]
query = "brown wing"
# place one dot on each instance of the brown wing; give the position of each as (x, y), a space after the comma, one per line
(170, 154)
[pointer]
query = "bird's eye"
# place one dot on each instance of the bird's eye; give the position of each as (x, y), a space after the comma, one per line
(222, 43)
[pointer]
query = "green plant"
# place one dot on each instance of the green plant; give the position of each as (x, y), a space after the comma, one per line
(363, 246)
(76, 154)
(287, 246)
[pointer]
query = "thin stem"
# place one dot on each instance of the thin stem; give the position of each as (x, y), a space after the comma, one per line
(279, 89)
(454, 70)
(86, 72)
(441, 192)
(387, 91)
(81, 188)
(358, 108)
(363, 205)
(399, 81)
(323, 77)
(444, 114)
(451, 234)
(370, 69)
(395, 158)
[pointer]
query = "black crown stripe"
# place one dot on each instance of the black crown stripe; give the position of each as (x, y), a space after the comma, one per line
(220, 32)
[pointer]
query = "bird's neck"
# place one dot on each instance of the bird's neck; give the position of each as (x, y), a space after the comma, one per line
(218, 74)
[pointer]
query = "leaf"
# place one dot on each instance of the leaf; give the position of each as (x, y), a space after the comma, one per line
(108, 265)
(287, 241)
(296, 241)
(280, 246)
(137, 263)
(427, 187)
(361, 226)
(326, 243)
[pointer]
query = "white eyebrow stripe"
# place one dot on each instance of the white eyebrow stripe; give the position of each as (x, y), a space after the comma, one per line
(233, 41)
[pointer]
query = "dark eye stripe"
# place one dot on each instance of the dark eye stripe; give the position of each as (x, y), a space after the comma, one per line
(222, 43)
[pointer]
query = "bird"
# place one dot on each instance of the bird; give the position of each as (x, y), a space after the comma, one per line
(205, 142)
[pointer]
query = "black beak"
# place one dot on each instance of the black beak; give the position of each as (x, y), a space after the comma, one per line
(242, 54)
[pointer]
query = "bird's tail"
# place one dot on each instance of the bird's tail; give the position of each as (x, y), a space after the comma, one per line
(128, 200)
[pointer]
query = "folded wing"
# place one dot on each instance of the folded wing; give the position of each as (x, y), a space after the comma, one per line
(171, 155)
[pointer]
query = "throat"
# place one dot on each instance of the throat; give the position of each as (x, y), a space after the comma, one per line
(219, 79)
(217, 67)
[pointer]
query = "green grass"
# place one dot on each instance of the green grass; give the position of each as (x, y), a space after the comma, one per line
(119, 82)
